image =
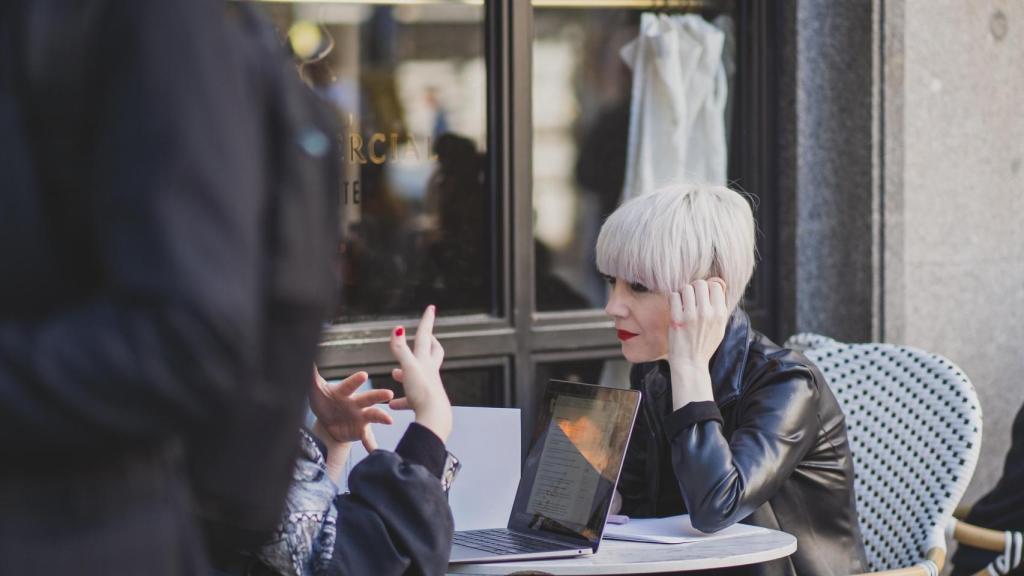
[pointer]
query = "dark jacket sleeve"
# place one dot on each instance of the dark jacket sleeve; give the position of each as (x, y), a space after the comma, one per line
(168, 335)
(396, 520)
(723, 481)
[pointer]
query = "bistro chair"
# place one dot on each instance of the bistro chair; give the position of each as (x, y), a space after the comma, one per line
(914, 426)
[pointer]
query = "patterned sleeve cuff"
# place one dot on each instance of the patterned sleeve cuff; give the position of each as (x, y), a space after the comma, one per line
(311, 441)
(308, 528)
(689, 415)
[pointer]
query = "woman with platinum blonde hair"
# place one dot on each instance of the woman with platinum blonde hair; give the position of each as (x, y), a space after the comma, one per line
(733, 428)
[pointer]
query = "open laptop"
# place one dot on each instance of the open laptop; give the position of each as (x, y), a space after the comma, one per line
(568, 478)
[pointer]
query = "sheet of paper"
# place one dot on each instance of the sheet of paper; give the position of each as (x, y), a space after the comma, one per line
(487, 443)
(671, 530)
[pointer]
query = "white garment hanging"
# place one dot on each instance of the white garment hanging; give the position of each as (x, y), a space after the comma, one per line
(677, 115)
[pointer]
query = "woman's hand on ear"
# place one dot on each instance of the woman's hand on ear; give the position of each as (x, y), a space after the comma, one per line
(699, 318)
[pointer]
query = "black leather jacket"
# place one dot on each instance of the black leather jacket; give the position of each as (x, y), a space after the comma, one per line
(771, 451)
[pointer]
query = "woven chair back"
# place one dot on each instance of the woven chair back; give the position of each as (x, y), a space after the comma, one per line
(914, 425)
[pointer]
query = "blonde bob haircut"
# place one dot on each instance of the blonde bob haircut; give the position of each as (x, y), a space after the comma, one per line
(678, 234)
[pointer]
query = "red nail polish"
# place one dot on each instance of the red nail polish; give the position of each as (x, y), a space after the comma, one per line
(399, 331)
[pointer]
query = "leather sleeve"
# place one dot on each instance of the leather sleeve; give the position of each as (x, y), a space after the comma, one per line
(723, 481)
(396, 520)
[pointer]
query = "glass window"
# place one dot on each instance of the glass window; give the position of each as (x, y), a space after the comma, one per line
(613, 372)
(409, 84)
(483, 386)
(581, 113)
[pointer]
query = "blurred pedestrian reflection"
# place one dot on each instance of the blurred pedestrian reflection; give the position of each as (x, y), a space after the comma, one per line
(455, 266)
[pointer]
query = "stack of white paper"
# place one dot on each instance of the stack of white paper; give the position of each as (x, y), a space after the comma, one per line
(671, 530)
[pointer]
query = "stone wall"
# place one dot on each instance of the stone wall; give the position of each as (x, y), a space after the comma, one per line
(954, 197)
(827, 197)
(901, 185)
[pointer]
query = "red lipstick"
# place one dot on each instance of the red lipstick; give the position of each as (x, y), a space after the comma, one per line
(625, 335)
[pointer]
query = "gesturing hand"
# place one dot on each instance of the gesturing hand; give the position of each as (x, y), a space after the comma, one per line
(345, 415)
(699, 319)
(420, 375)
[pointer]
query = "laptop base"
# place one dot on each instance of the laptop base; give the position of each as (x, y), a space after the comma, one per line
(465, 555)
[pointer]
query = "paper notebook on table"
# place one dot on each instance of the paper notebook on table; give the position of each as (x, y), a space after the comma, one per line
(672, 530)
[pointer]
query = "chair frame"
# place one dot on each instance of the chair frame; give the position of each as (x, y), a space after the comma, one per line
(1007, 542)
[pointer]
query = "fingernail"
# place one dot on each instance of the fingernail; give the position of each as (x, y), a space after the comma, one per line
(399, 331)
(433, 308)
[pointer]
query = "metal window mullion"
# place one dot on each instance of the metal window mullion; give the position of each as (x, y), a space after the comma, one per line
(385, 367)
(457, 345)
(518, 66)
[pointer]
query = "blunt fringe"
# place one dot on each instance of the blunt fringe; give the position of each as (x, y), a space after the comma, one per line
(678, 234)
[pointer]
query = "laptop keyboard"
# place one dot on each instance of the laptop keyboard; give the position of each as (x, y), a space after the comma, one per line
(502, 541)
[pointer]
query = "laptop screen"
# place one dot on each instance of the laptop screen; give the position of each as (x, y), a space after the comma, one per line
(571, 471)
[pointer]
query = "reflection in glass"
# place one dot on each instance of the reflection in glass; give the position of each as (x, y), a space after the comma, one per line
(408, 83)
(571, 470)
(611, 372)
(581, 115)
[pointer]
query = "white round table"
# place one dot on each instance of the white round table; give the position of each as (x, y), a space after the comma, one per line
(618, 557)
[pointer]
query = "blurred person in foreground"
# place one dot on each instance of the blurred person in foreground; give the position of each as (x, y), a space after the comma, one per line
(733, 428)
(395, 518)
(165, 232)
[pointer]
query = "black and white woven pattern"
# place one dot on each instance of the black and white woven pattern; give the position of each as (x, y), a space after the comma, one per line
(914, 426)
(805, 341)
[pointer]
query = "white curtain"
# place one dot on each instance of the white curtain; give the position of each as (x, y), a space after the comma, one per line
(677, 116)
